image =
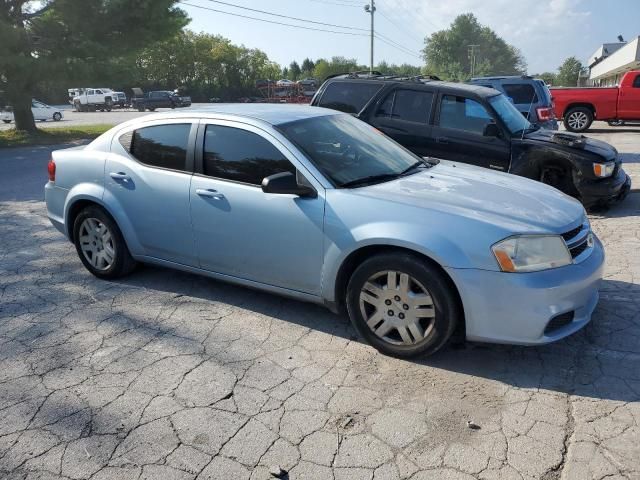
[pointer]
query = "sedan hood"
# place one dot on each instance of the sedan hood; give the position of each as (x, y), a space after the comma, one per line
(574, 141)
(510, 202)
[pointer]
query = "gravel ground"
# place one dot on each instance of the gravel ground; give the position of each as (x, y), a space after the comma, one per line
(165, 375)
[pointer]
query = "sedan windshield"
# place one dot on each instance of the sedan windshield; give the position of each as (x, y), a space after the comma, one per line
(510, 115)
(350, 152)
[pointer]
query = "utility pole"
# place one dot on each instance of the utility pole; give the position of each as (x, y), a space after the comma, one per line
(472, 58)
(371, 9)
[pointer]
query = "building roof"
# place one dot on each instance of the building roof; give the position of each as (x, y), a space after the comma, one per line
(623, 59)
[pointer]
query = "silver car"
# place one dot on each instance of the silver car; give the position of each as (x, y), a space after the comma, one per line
(319, 206)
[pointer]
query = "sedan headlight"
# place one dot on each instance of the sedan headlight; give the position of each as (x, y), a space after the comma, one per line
(531, 253)
(603, 170)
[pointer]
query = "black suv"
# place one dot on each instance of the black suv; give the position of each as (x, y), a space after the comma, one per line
(480, 126)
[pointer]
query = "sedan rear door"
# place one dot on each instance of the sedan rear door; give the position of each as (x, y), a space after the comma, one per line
(147, 179)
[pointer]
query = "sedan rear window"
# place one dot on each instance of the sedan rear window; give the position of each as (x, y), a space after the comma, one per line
(348, 97)
(162, 146)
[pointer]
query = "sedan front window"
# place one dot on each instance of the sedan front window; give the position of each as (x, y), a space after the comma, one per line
(350, 152)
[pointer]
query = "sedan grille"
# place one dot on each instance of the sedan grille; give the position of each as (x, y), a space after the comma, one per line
(578, 240)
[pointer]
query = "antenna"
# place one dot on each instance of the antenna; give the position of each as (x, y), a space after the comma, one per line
(530, 107)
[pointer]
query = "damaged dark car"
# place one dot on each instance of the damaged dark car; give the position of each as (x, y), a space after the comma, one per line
(477, 125)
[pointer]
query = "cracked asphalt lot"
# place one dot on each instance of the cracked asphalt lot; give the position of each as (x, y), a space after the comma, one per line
(165, 375)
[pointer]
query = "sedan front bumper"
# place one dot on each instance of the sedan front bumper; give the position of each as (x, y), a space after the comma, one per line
(516, 308)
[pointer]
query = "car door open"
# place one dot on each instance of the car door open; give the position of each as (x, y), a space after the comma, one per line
(245, 232)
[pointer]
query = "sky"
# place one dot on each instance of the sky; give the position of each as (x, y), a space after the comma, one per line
(546, 31)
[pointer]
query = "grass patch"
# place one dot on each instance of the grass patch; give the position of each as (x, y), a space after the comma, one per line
(51, 136)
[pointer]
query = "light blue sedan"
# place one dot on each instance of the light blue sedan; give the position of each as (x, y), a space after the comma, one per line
(319, 206)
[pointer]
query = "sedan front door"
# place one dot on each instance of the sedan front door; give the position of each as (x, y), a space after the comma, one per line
(241, 231)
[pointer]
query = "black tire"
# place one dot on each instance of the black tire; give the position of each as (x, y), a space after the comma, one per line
(151, 109)
(615, 123)
(141, 109)
(6, 121)
(445, 304)
(562, 178)
(57, 117)
(77, 106)
(122, 263)
(578, 119)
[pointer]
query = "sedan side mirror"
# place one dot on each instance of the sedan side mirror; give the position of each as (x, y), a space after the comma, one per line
(286, 183)
(491, 130)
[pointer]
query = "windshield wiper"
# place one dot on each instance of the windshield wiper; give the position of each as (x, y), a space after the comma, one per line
(370, 179)
(418, 164)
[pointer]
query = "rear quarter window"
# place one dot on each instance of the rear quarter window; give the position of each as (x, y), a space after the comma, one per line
(348, 97)
(521, 93)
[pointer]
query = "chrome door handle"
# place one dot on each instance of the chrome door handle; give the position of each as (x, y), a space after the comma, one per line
(119, 176)
(209, 193)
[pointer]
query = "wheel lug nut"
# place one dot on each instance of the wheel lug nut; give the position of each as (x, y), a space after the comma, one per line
(390, 312)
(397, 298)
(405, 306)
(387, 302)
(401, 316)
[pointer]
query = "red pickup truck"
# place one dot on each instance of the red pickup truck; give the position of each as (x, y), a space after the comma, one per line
(579, 107)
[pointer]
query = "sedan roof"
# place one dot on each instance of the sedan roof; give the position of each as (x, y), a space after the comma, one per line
(272, 113)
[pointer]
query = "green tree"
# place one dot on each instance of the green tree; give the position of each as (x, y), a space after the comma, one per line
(569, 72)
(324, 68)
(42, 39)
(447, 52)
(307, 67)
(294, 71)
(285, 72)
(549, 78)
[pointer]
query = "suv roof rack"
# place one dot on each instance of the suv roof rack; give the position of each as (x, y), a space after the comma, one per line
(375, 75)
(503, 77)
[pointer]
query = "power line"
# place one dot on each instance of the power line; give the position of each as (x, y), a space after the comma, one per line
(397, 47)
(286, 16)
(403, 30)
(273, 21)
(327, 2)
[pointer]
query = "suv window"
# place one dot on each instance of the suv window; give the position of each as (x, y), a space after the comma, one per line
(348, 97)
(162, 146)
(636, 81)
(242, 156)
(520, 92)
(463, 114)
(408, 105)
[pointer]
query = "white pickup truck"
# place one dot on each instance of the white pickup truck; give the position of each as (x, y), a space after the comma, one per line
(92, 99)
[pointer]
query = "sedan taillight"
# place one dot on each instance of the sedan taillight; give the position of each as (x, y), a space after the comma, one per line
(545, 113)
(51, 168)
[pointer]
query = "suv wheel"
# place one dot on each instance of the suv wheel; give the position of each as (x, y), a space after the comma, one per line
(402, 305)
(578, 119)
(57, 117)
(100, 244)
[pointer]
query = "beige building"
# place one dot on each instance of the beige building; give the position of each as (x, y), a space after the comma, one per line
(612, 60)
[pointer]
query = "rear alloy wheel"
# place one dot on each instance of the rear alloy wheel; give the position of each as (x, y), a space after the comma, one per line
(100, 244)
(402, 305)
(57, 117)
(578, 119)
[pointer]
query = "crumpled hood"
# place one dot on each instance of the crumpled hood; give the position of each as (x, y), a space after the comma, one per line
(510, 202)
(587, 144)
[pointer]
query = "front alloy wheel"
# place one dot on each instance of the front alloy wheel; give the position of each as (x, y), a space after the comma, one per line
(403, 304)
(397, 308)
